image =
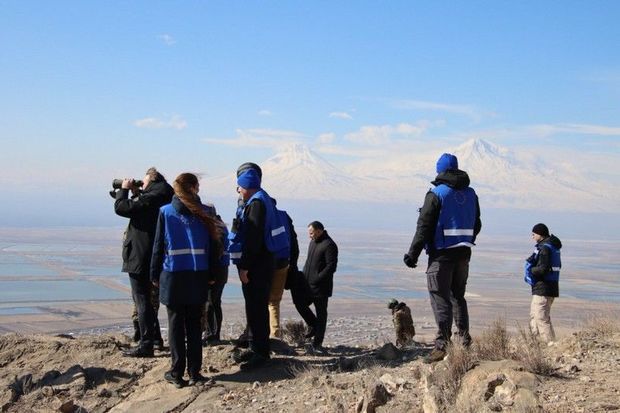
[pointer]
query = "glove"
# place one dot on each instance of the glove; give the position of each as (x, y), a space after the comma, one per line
(410, 262)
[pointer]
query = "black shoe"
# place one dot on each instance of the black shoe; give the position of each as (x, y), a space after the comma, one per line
(256, 361)
(240, 357)
(199, 379)
(435, 356)
(138, 352)
(158, 344)
(177, 381)
(316, 350)
(211, 341)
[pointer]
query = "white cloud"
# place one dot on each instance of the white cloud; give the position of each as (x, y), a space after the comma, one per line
(259, 138)
(265, 112)
(340, 115)
(381, 135)
(469, 111)
(167, 39)
(326, 138)
(574, 128)
(174, 122)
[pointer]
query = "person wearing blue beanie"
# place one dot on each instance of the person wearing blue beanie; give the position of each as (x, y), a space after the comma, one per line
(447, 161)
(255, 262)
(249, 179)
(447, 227)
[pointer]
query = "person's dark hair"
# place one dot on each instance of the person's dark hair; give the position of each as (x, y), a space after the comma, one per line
(154, 174)
(183, 185)
(249, 165)
(316, 225)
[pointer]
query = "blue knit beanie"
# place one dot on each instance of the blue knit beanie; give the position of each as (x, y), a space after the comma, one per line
(249, 179)
(447, 161)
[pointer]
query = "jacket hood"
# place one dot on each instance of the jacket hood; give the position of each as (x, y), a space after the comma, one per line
(180, 206)
(553, 240)
(454, 178)
(159, 189)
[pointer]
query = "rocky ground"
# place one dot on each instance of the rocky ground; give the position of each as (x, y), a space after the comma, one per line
(87, 373)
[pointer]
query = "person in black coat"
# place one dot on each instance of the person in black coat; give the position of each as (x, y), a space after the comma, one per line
(142, 210)
(186, 246)
(319, 270)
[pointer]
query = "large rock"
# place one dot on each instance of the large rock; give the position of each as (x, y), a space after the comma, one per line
(498, 386)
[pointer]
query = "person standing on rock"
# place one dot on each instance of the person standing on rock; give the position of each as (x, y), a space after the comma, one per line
(187, 244)
(319, 269)
(447, 227)
(255, 236)
(142, 210)
(542, 273)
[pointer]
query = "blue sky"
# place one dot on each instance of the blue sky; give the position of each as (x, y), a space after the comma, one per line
(92, 90)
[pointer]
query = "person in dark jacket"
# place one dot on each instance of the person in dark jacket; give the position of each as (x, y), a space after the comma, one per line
(447, 227)
(186, 245)
(544, 274)
(142, 210)
(212, 315)
(319, 269)
(255, 262)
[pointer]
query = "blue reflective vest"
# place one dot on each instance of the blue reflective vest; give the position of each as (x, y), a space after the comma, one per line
(276, 234)
(556, 264)
(187, 242)
(457, 217)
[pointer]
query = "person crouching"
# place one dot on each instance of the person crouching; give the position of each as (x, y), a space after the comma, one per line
(186, 242)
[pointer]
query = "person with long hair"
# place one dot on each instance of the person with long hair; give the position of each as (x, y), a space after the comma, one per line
(186, 246)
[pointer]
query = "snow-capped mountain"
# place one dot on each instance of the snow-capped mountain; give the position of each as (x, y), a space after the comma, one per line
(502, 178)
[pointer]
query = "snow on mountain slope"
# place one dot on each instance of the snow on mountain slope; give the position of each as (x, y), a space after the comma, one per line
(501, 177)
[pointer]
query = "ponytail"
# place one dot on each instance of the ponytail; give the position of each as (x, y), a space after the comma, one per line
(183, 185)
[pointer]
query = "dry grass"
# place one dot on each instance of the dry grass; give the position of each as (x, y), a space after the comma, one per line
(604, 324)
(529, 351)
(494, 343)
(294, 332)
(459, 361)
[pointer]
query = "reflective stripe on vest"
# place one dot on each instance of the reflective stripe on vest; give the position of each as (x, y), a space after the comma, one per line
(192, 251)
(187, 241)
(457, 217)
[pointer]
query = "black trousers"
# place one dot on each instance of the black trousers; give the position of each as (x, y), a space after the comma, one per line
(316, 322)
(447, 281)
(214, 311)
(256, 294)
(141, 293)
(184, 326)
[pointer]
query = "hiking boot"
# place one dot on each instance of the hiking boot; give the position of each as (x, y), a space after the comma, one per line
(435, 356)
(158, 344)
(138, 352)
(198, 378)
(316, 350)
(242, 356)
(256, 361)
(178, 382)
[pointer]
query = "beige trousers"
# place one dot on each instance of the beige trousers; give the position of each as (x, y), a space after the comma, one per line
(275, 296)
(540, 318)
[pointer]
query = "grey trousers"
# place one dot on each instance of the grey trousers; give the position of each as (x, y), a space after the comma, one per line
(446, 285)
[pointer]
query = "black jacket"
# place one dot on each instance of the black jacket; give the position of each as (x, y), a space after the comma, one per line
(543, 266)
(429, 215)
(142, 212)
(255, 253)
(292, 277)
(320, 266)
